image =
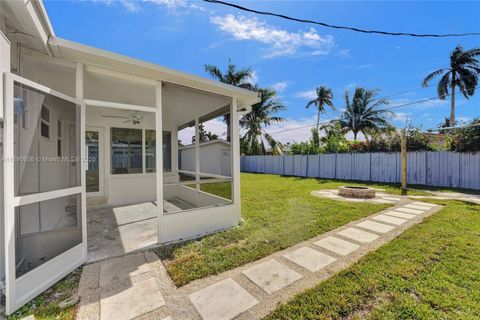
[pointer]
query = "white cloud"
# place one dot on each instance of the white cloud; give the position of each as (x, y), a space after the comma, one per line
(170, 5)
(308, 94)
(253, 78)
(280, 42)
(279, 86)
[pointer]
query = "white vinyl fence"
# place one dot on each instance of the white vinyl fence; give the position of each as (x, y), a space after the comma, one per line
(439, 169)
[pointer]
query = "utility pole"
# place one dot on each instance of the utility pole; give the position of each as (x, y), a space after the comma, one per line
(404, 160)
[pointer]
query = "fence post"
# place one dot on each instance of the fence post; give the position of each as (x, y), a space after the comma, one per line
(404, 161)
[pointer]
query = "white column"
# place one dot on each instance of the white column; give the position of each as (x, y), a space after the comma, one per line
(159, 154)
(79, 76)
(4, 67)
(235, 155)
(197, 153)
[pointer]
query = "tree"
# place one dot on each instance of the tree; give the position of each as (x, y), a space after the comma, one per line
(462, 73)
(262, 115)
(232, 76)
(324, 97)
(362, 113)
(465, 138)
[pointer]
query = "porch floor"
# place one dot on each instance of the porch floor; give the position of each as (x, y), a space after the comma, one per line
(116, 231)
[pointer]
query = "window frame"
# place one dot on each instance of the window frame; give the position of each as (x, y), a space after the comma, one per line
(45, 122)
(144, 152)
(59, 137)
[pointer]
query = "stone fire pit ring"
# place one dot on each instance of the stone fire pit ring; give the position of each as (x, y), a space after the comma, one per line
(357, 192)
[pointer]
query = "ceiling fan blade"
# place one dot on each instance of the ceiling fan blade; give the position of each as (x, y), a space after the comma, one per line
(120, 117)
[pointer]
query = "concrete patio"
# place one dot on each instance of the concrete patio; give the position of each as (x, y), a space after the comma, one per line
(116, 231)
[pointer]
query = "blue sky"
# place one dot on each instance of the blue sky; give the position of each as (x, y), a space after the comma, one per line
(291, 57)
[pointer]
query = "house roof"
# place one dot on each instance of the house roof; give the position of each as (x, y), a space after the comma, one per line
(73, 51)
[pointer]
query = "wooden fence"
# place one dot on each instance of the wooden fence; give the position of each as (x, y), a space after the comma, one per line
(439, 169)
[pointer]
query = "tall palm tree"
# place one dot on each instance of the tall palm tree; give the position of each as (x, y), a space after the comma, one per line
(462, 73)
(254, 122)
(324, 97)
(233, 76)
(362, 113)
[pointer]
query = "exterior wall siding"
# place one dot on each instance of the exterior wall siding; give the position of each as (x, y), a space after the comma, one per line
(438, 169)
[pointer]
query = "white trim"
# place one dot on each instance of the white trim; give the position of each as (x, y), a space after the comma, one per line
(235, 156)
(14, 77)
(197, 153)
(45, 196)
(206, 175)
(101, 162)
(159, 154)
(115, 105)
(9, 195)
(149, 70)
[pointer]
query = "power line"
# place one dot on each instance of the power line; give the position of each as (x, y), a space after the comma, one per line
(327, 25)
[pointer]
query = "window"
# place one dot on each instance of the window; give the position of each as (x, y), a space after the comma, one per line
(45, 122)
(59, 138)
(150, 151)
(126, 150)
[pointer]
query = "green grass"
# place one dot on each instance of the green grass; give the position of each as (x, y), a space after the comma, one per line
(45, 306)
(278, 212)
(432, 271)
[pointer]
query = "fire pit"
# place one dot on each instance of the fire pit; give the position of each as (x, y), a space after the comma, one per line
(356, 192)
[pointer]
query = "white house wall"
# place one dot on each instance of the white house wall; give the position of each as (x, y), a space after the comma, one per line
(214, 158)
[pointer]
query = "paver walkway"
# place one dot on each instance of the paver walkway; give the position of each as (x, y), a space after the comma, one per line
(137, 286)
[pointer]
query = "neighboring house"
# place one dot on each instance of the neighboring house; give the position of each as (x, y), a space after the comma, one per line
(214, 157)
(82, 125)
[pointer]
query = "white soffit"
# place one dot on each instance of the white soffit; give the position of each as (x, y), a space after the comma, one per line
(118, 63)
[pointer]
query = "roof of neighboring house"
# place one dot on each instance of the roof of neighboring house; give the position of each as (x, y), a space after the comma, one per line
(217, 141)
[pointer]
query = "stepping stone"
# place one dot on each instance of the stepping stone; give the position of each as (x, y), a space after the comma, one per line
(417, 206)
(389, 219)
(223, 300)
(382, 201)
(310, 259)
(139, 298)
(118, 270)
(353, 199)
(358, 235)
(332, 196)
(271, 276)
(329, 193)
(408, 210)
(402, 215)
(337, 245)
(375, 226)
(426, 204)
(392, 198)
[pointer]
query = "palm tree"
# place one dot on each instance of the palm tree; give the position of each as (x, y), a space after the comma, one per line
(362, 113)
(233, 76)
(462, 73)
(324, 97)
(254, 122)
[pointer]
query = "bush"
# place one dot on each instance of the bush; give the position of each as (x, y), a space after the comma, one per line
(465, 139)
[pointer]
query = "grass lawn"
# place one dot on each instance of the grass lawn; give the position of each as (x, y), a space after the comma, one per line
(278, 212)
(45, 306)
(432, 271)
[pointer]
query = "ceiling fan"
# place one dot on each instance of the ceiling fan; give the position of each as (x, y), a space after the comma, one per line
(135, 117)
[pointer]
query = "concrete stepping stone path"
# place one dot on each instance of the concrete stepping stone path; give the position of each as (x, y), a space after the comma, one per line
(389, 219)
(336, 245)
(408, 210)
(309, 259)
(223, 300)
(358, 235)
(375, 226)
(397, 214)
(138, 286)
(271, 276)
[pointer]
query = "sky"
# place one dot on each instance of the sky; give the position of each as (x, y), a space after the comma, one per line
(292, 58)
